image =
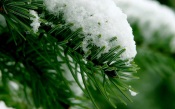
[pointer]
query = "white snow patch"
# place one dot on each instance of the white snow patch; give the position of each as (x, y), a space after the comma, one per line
(36, 22)
(152, 18)
(3, 105)
(14, 85)
(133, 93)
(97, 18)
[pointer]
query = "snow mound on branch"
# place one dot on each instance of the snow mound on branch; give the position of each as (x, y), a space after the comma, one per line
(100, 20)
(151, 17)
(35, 21)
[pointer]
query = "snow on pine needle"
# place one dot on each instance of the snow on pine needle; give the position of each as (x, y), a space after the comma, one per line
(100, 21)
(152, 18)
(35, 21)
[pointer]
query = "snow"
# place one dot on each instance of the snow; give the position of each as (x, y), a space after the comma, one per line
(3, 105)
(97, 18)
(35, 21)
(152, 18)
(133, 93)
(14, 85)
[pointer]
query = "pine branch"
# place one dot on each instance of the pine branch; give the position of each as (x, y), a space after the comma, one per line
(42, 71)
(94, 65)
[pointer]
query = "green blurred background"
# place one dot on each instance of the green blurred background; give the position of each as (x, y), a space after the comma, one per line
(156, 86)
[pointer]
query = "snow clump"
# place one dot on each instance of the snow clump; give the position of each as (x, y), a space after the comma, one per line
(101, 20)
(152, 18)
(35, 21)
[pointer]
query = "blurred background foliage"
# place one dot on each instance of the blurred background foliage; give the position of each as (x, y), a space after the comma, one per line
(156, 86)
(170, 3)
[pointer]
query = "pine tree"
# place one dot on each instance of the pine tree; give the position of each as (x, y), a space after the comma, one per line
(47, 54)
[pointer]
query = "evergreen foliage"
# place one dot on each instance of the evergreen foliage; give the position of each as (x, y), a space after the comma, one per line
(34, 62)
(43, 64)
